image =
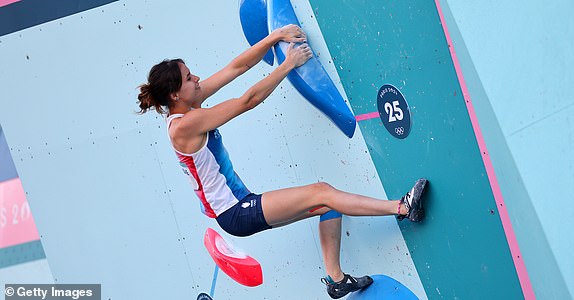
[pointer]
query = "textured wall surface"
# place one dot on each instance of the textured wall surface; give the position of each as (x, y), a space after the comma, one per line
(105, 187)
(403, 43)
(111, 205)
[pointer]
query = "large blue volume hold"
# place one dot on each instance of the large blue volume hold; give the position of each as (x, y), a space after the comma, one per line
(253, 16)
(384, 287)
(311, 79)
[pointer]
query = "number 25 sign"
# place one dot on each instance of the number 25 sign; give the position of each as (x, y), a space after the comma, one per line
(394, 111)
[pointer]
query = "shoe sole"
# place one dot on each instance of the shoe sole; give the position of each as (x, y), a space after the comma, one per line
(419, 214)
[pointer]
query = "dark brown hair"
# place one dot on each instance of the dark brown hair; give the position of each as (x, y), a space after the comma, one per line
(163, 80)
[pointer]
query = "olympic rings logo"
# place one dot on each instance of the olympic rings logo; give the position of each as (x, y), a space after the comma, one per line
(399, 130)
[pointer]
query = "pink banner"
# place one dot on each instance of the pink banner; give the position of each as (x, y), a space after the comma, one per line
(16, 223)
(6, 2)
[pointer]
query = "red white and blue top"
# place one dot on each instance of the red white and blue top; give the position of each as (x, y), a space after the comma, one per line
(211, 174)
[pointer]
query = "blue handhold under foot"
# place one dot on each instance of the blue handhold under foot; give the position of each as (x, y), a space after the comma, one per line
(384, 287)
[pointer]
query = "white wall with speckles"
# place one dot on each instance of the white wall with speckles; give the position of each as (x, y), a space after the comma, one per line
(105, 187)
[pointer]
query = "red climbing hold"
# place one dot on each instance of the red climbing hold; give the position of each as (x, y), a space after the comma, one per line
(240, 267)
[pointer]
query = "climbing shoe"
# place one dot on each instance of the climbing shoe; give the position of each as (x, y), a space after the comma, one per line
(413, 201)
(347, 285)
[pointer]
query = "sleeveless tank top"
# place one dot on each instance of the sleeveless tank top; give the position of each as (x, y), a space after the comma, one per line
(211, 174)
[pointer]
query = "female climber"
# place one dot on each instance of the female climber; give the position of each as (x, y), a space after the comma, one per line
(173, 90)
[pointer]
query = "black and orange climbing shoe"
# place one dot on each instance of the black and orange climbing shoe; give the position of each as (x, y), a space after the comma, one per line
(413, 201)
(347, 285)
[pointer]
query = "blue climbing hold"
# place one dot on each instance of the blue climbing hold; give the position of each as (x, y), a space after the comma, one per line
(253, 16)
(311, 79)
(384, 287)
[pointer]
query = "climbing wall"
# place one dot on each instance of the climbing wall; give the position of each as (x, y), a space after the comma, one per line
(465, 244)
(104, 186)
(111, 206)
(528, 131)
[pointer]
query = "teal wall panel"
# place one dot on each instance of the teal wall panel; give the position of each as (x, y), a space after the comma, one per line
(461, 251)
(21, 253)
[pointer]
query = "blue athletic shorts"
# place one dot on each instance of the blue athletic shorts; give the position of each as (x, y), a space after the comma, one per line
(244, 218)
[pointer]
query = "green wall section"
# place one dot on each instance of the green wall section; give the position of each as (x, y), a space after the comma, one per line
(460, 251)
